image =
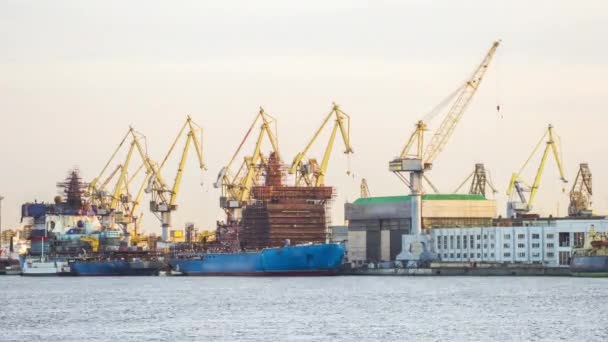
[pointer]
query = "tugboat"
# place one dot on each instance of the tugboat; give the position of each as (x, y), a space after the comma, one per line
(592, 259)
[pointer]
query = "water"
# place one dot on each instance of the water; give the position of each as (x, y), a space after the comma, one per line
(303, 309)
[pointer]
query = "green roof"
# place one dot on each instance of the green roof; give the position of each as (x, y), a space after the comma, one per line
(428, 197)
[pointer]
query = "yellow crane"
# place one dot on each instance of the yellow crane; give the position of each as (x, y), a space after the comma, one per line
(236, 186)
(523, 205)
(164, 198)
(581, 192)
(415, 157)
(111, 205)
(307, 170)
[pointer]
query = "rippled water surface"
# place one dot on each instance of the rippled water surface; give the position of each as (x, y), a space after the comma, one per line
(303, 309)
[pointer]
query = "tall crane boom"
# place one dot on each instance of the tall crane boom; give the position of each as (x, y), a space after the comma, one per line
(443, 134)
(309, 172)
(516, 183)
(415, 158)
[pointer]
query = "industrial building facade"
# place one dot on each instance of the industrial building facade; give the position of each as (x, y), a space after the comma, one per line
(376, 225)
(548, 242)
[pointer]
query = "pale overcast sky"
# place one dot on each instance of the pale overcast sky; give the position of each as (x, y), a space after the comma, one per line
(75, 74)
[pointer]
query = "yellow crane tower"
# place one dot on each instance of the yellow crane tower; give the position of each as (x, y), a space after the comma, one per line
(522, 205)
(416, 158)
(236, 186)
(307, 170)
(164, 198)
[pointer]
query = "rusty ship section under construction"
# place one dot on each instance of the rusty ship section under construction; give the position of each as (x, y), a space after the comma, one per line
(277, 213)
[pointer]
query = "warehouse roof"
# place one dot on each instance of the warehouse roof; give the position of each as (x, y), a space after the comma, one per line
(428, 197)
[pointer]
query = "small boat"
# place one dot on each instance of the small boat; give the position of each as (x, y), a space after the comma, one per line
(44, 267)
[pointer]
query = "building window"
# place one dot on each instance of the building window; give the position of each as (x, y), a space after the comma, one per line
(521, 236)
(472, 241)
(445, 242)
(550, 255)
(579, 240)
(458, 255)
(452, 255)
(464, 242)
(521, 254)
(536, 255)
(550, 236)
(478, 255)
(478, 246)
(485, 255)
(507, 255)
(492, 246)
(536, 236)
(508, 236)
(478, 237)
(439, 242)
(550, 245)
(485, 246)
(464, 255)
(564, 239)
(536, 245)
(458, 242)
(491, 236)
(485, 236)
(491, 255)
(521, 245)
(506, 245)
(445, 255)
(451, 242)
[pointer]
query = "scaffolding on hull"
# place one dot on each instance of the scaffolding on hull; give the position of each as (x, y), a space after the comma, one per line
(279, 213)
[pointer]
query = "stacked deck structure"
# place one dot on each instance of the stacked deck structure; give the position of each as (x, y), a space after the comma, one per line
(279, 213)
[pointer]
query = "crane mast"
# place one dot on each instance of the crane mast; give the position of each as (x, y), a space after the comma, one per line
(415, 158)
(307, 170)
(479, 181)
(517, 184)
(581, 192)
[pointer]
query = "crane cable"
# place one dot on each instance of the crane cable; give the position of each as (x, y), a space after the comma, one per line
(498, 97)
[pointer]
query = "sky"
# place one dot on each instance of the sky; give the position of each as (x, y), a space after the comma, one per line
(74, 75)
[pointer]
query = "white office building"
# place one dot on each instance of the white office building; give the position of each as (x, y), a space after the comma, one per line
(548, 242)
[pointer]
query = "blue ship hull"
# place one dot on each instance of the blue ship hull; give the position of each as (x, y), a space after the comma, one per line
(324, 259)
(589, 266)
(115, 268)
